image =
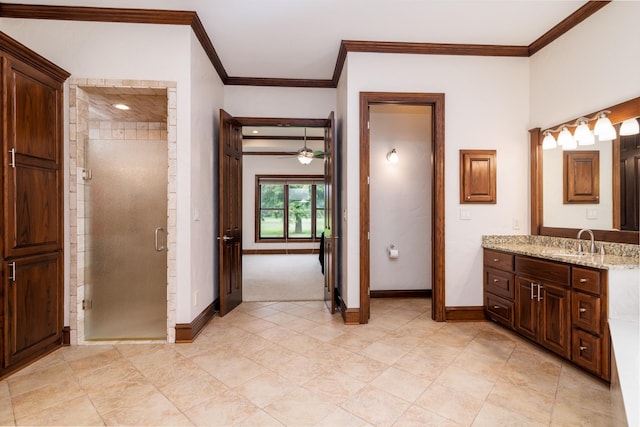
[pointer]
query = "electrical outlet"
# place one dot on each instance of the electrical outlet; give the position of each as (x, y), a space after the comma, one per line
(465, 214)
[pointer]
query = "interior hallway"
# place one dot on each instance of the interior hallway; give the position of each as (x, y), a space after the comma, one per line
(292, 363)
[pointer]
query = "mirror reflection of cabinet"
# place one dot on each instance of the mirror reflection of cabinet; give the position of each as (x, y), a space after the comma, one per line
(581, 177)
(546, 185)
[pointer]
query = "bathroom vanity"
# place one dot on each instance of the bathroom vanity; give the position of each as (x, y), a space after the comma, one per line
(581, 306)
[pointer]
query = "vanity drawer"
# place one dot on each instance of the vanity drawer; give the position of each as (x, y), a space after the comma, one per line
(498, 260)
(586, 350)
(499, 309)
(499, 282)
(586, 312)
(586, 280)
(543, 270)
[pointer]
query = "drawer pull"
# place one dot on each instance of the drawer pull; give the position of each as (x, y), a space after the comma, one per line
(582, 309)
(583, 347)
(583, 280)
(496, 260)
(496, 307)
(496, 280)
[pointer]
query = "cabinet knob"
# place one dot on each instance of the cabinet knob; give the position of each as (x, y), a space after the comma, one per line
(496, 280)
(495, 307)
(583, 347)
(496, 260)
(582, 309)
(583, 280)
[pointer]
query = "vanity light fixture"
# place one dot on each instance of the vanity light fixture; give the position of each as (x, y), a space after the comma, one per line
(549, 142)
(392, 156)
(630, 127)
(583, 134)
(123, 107)
(603, 129)
(567, 140)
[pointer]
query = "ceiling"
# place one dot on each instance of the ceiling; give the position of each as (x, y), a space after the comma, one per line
(300, 39)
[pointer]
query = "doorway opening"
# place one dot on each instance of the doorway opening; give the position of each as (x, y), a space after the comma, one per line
(283, 211)
(122, 210)
(436, 177)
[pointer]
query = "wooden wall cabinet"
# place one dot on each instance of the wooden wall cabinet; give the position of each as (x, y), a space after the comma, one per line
(478, 176)
(559, 306)
(31, 294)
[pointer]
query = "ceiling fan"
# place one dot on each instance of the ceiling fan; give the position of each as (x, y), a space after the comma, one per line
(306, 154)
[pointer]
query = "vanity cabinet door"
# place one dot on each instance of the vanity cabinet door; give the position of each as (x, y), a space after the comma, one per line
(555, 318)
(526, 309)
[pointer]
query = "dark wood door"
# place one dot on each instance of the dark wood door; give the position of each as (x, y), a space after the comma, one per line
(229, 213)
(630, 182)
(330, 203)
(33, 186)
(33, 306)
(526, 319)
(555, 318)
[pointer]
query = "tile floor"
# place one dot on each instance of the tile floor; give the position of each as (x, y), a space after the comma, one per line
(293, 364)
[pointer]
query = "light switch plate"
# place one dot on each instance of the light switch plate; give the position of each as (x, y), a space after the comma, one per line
(465, 214)
(592, 213)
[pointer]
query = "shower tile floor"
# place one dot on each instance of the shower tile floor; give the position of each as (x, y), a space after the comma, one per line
(293, 364)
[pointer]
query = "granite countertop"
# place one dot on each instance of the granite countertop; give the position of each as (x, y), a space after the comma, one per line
(617, 256)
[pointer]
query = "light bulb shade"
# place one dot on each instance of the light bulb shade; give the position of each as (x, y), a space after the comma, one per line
(392, 156)
(603, 129)
(305, 155)
(566, 139)
(630, 127)
(549, 142)
(583, 135)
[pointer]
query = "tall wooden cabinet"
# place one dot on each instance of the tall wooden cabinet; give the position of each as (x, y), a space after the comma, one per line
(31, 293)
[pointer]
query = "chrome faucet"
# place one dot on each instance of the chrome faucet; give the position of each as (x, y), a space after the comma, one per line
(592, 247)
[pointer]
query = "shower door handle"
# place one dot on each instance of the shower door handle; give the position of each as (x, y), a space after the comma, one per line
(159, 240)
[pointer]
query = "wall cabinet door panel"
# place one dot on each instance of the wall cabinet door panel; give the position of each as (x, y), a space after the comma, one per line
(32, 306)
(32, 210)
(32, 122)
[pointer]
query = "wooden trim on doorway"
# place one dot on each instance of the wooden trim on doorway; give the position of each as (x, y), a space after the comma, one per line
(436, 101)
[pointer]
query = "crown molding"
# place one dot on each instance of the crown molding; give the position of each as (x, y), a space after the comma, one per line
(181, 17)
(566, 24)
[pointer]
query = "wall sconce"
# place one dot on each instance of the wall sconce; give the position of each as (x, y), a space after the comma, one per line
(392, 156)
(603, 129)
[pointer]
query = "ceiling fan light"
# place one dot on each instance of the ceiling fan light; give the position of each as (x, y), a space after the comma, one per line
(603, 129)
(305, 156)
(566, 139)
(549, 142)
(630, 127)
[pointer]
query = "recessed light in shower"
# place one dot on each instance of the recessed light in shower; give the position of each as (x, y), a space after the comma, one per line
(121, 106)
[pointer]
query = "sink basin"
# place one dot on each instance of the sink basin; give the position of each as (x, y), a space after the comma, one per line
(561, 252)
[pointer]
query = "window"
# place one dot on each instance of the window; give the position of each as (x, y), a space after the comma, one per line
(289, 208)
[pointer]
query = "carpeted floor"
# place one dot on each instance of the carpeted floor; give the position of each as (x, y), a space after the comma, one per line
(281, 278)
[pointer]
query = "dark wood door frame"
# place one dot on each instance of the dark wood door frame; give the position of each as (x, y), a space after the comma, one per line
(436, 101)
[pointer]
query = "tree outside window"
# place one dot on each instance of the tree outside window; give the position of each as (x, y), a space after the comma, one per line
(290, 208)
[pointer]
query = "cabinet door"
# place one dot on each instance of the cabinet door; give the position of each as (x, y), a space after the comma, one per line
(32, 305)
(555, 319)
(33, 188)
(526, 316)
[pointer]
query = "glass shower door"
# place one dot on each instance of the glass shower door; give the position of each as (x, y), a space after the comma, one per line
(125, 240)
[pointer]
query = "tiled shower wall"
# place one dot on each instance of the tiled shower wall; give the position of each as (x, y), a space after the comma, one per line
(81, 128)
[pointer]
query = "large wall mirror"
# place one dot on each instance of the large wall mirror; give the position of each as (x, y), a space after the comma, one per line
(614, 217)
